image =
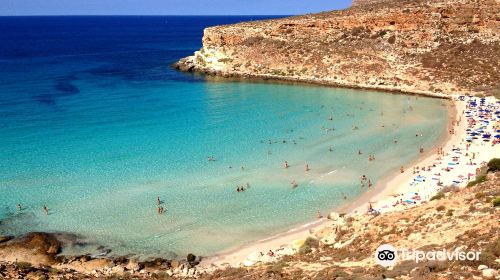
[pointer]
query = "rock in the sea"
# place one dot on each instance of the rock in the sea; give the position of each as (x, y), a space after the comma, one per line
(191, 258)
(5, 238)
(35, 248)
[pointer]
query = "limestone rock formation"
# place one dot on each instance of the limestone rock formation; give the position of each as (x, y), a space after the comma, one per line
(421, 46)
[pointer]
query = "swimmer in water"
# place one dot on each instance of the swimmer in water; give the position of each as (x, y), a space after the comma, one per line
(307, 167)
(318, 215)
(285, 165)
(46, 210)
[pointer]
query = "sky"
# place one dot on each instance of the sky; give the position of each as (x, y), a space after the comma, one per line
(168, 7)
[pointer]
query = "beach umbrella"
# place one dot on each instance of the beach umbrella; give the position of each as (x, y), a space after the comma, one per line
(298, 243)
(497, 136)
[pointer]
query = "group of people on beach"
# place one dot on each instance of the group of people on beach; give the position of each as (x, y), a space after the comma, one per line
(365, 180)
(461, 162)
(241, 188)
(286, 165)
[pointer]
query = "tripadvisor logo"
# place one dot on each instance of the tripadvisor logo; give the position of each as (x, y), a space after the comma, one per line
(386, 255)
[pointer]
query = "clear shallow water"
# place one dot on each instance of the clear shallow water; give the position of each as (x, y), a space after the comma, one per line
(95, 124)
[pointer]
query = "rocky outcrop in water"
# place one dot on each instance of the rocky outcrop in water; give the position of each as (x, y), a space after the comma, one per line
(36, 248)
(433, 47)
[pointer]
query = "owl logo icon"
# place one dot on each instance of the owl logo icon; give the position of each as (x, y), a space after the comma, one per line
(386, 255)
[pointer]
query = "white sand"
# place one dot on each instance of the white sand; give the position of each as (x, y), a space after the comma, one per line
(383, 196)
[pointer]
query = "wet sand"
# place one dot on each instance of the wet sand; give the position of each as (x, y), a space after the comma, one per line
(390, 184)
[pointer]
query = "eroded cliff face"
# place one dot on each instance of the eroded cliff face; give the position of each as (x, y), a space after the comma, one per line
(433, 47)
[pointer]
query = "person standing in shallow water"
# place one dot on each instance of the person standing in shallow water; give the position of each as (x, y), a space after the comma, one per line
(318, 215)
(46, 210)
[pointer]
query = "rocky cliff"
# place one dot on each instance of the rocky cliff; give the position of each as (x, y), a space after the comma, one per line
(432, 47)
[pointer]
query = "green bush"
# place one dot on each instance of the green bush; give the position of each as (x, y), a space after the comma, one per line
(479, 195)
(191, 258)
(24, 265)
(479, 179)
(276, 268)
(490, 254)
(382, 33)
(311, 242)
(440, 208)
(439, 195)
(224, 60)
(496, 201)
(304, 249)
(494, 165)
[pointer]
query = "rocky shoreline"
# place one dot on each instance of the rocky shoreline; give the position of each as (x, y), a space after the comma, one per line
(39, 252)
(466, 219)
(433, 48)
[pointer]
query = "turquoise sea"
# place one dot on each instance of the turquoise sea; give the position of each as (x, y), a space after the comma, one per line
(95, 124)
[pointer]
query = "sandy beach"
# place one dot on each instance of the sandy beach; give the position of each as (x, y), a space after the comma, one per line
(395, 192)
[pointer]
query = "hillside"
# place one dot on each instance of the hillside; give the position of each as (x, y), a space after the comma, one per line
(430, 47)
